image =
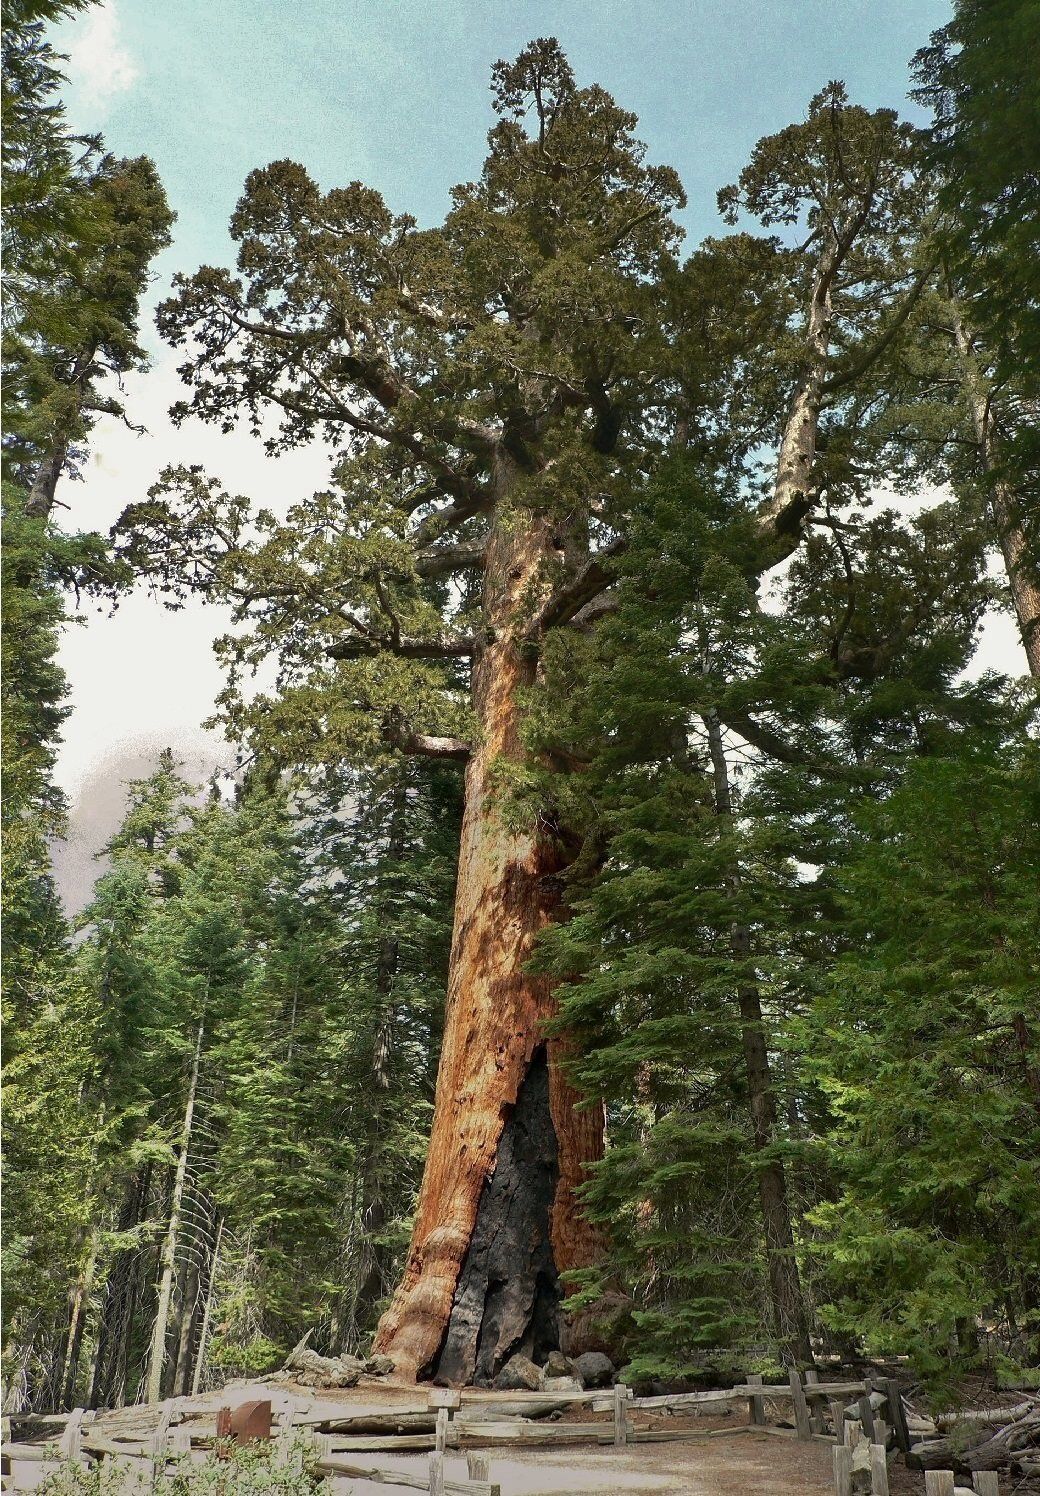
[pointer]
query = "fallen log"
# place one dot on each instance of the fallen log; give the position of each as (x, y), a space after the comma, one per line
(1023, 1434)
(982, 1449)
(312, 1370)
(931, 1454)
(945, 1421)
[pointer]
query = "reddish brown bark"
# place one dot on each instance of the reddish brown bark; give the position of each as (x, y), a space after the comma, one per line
(496, 1010)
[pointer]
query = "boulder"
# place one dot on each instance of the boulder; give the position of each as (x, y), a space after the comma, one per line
(594, 1369)
(519, 1374)
(561, 1384)
(557, 1365)
(379, 1366)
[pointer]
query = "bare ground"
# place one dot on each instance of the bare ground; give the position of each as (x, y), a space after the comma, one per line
(744, 1465)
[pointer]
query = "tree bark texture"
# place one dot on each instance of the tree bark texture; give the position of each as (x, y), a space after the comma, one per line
(120, 1297)
(1004, 503)
(495, 1013)
(794, 485)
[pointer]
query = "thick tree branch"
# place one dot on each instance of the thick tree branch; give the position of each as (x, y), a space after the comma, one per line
(568, 600)
(424, 745)
(869, 356)
(475, 501)
(441, 560)
(459, 647)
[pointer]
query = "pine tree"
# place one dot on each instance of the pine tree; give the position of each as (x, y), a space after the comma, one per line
(923, 1040)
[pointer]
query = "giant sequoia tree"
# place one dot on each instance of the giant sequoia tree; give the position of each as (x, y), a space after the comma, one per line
(497, 390)
(490, 385)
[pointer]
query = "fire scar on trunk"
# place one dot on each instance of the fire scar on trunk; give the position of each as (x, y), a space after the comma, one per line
(489, 1084)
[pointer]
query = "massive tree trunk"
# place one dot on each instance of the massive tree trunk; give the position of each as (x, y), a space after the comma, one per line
(508, 1144)
(1004, 504)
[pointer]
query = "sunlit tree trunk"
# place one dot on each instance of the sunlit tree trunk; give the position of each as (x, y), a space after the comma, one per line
(207, 1313)
(1004, 503)
(497, 1220)
(77, 1322)
(168, 1259)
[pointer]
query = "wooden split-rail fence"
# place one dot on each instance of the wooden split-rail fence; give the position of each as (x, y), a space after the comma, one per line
(853, 1416)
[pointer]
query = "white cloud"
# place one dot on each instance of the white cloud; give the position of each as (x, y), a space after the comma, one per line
(99, 66)
(144, 672)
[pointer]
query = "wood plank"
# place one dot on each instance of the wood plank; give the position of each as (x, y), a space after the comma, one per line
(778, 1433)
(896, 1413)
(801, 1407)
(878, 1470)
(444, 1397)
(620, 1415)
(492, 1399)
(986, 1483)
(821, 1389)
(866, 1417)
(842, 1470)
(69, 1443)
(756, 1405)
(938, 1482)
(673, 1401)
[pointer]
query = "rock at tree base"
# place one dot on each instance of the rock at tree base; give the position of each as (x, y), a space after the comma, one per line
(594, 1369)
(379, 1366)
(561, 1384)
(519, 1374)
(557, 1365)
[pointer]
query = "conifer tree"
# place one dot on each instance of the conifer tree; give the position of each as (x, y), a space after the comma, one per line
(490, 378)
(923, 1039)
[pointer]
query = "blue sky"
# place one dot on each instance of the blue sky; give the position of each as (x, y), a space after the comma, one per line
(395, 91)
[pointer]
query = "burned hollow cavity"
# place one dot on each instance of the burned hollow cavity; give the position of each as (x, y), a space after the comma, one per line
(507, 1297)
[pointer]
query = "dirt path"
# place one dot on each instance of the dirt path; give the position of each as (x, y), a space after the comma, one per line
(744, 1465)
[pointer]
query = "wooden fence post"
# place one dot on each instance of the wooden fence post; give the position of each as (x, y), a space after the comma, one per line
(842, 1469)
(756, 1405)
(441, 1431)
(986, 1483)
(621, 1395)
(478, 1466)
(801, 1407)
(866, 1417)
(437, 1473)
(896, 1413)
(878, 1470)
(838, 1419)
(812, 1377)
(68, 1445)
(938, 1483)
(162, 1430)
